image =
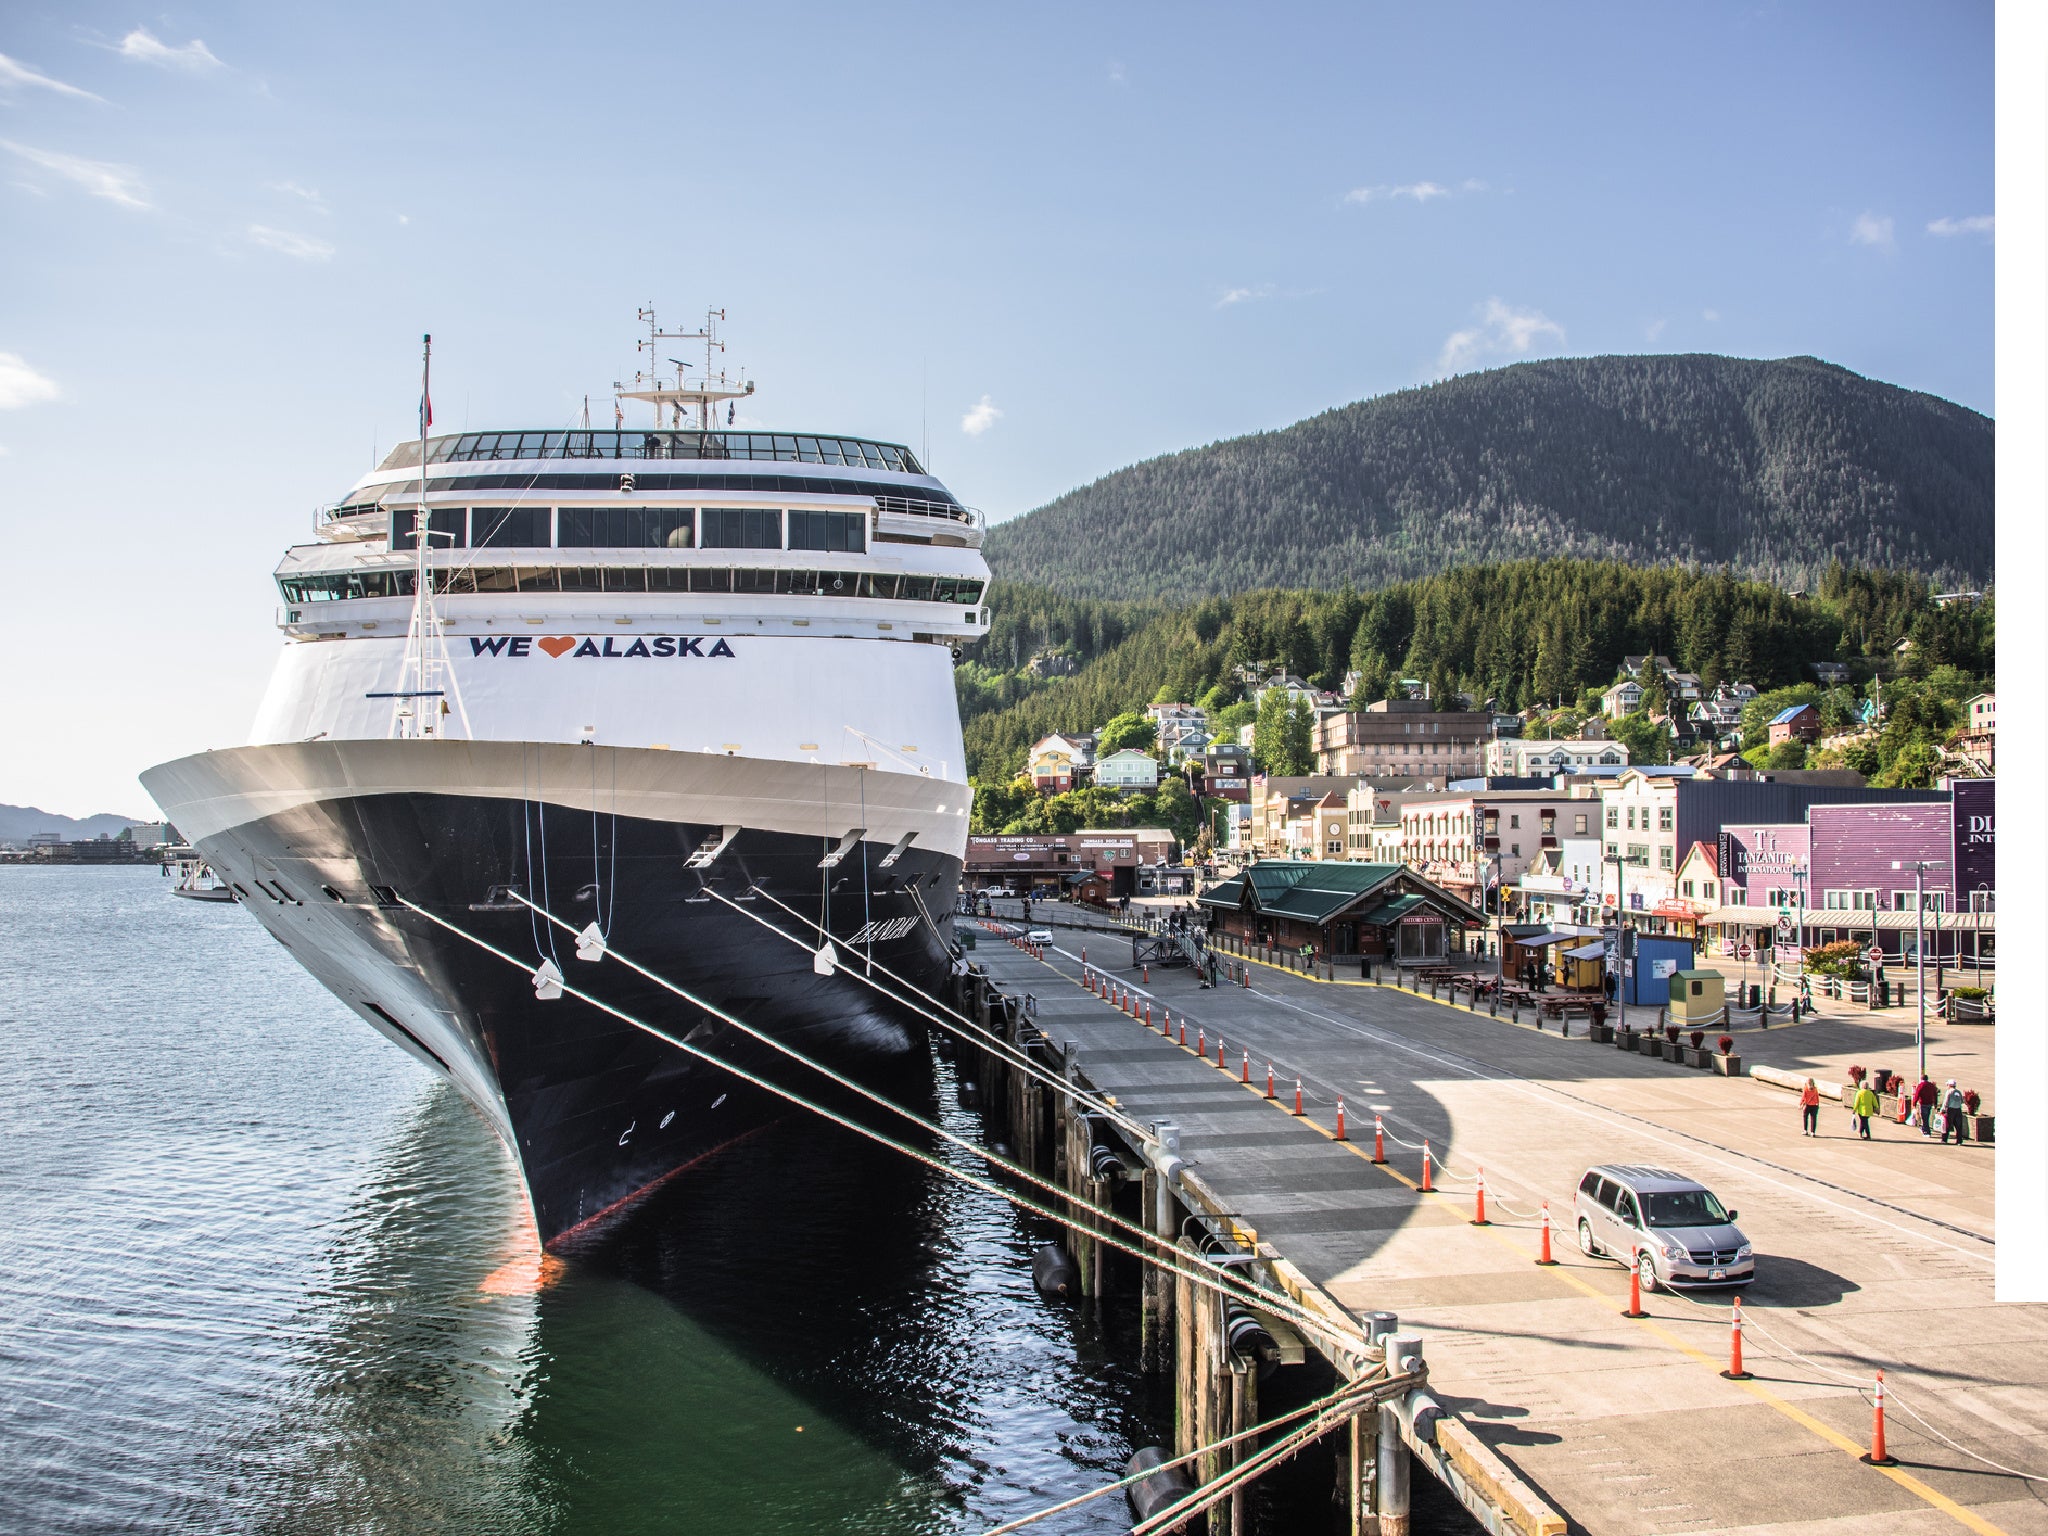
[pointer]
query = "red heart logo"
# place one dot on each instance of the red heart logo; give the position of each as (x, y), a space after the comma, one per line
(556, 645)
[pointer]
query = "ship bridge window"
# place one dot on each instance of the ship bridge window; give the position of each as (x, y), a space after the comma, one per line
(466, 580)
(834, 532)
(741, 528)
(627, 528)
(509, 527)
(448, 528)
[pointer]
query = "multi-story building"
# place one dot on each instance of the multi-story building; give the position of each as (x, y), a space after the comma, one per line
(1408, 738)
(1373, 822)
(1227, 772)
(1979, 740)
(1467, 842)
(1524, 758)
(1278, 802)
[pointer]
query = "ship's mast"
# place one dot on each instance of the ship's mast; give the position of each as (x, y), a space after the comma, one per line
(422, 709)
(681, 396)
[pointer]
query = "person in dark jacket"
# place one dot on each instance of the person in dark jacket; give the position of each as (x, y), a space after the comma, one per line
(1923, 1101)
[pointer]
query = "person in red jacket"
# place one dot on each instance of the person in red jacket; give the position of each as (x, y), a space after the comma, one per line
(1809, 1109)
(1923, 1100)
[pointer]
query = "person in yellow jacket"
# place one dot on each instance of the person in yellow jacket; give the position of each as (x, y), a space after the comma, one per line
(1863, 1106)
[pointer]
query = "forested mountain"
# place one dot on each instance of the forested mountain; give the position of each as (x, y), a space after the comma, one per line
(1530, 632)
(1773, 469)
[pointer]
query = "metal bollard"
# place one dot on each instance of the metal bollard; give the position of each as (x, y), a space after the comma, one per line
(1403, 1352)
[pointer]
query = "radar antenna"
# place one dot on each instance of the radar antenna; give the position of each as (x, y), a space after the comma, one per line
(672, 400)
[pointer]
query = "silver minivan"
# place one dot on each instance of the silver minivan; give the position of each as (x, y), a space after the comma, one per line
(1680, 1234)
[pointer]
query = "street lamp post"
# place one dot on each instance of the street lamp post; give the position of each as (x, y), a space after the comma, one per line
(1920, 868)
(1622, 977)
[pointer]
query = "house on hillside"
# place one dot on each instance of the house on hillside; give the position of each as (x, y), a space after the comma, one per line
(1829, 674)
(1128, 770)
(1624, 698)
(1799, 722)
(1183, 729)
(1060, 763)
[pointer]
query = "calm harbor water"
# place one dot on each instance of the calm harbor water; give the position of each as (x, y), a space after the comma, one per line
(259, 1272)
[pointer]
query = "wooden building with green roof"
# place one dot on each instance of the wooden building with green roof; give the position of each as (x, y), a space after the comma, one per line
(1371, 911)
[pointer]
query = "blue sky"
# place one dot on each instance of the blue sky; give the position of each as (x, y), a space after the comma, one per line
(1050, 240)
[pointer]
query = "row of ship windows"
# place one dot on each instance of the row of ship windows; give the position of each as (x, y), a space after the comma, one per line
(633, 528)
(337, 586)
(772, 446)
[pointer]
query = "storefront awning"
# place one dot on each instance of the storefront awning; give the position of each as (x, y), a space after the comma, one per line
(1594, 951)
(1545, 940)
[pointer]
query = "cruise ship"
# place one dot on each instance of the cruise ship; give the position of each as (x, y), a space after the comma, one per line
(687, 688)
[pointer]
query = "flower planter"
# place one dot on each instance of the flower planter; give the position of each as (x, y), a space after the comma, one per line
(1650, 1045)
(1625, 1040)
(1603, 1034)
(1980, 1127)
(1674, 1050)
(1698, 1058)
(1728, 1066)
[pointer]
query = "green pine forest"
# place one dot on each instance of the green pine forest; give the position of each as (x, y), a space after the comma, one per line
(1544, 634)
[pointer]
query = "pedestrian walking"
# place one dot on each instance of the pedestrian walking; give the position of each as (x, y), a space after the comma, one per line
(1863, 1106)
(1924, 1095)
(1952, 1115)
(1809, 1109)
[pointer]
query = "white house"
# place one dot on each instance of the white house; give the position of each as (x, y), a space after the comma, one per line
(1518, 757)
(1621, 699)
(1128, 769)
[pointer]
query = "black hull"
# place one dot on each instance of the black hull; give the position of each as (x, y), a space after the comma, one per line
(599, 1112)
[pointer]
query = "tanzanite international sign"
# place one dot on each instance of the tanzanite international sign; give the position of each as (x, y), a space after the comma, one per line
(1976, 839)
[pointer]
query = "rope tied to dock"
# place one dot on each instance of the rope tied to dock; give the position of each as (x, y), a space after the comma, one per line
(1223, 1280)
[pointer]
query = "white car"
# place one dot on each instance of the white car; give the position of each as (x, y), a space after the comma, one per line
(1039, 936)
(1679, 1234)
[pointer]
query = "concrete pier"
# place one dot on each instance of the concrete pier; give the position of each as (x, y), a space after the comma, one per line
(1870, 1255)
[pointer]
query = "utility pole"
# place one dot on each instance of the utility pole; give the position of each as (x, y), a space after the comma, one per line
(1920, 868)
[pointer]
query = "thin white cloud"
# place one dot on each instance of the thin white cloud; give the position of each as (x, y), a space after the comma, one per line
(307, 194)
(1116, 74)
(287, 243)
(1242, 295)
(194, 56)
(21, 385)
(1503, 332)
(1414, 191)
(102, 178)
(1653, 330)
(980, 417)
(1871, 229)
(1472, 184)
(1976, 224)
(1711, 316)
(14, 73)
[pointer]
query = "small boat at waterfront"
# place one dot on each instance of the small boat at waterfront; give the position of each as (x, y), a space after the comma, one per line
(197, 881)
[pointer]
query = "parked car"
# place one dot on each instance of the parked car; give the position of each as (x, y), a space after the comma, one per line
(1680, 1234)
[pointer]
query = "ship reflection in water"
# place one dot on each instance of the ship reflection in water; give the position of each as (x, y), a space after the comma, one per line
(261, 1275)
